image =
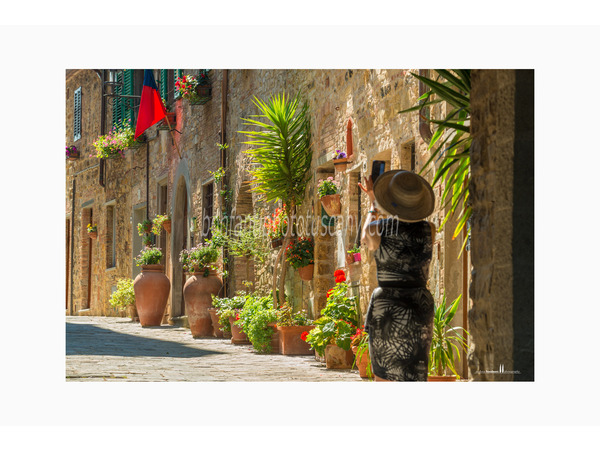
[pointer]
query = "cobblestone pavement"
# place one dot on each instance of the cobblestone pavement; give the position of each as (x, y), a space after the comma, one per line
(117, 349)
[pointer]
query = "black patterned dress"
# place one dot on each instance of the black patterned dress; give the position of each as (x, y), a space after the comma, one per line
(400, 315)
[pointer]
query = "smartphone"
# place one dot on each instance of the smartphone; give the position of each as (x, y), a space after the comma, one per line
(378, 169)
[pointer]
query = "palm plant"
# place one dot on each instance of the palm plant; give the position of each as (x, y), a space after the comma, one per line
(282, 157)
(444, 341)
(451, 141)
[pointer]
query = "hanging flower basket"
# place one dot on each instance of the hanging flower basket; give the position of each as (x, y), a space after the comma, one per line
(341, 164)
(93, 234)
(332, 204)
(72, 153)
(306, 272)
(167, 225)
(204, 93)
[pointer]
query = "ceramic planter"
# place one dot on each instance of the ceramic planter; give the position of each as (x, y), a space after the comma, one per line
(290, 342)
(306, 272)
(332, 204)
(362, 362)
(357, 257)
(214, 317)
(340, 164)
(441, 378)
(197, 294)
(338, 358)
(167, 225)
(151, 289)
(238, 337)
(93, 234)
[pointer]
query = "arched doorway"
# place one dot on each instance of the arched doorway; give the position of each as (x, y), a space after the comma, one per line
(179, 241)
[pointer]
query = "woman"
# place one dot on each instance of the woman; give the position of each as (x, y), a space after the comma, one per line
(400, 315)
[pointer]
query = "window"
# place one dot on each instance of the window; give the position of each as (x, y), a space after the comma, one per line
(178, 73)
(77, 115)
(111, 257)
(125, 105)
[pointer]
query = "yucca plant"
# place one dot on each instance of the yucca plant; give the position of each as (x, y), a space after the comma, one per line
(451, 142)
(445, 341)
(281, 157)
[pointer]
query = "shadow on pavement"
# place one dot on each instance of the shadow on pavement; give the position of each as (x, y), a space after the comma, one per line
(85, 339)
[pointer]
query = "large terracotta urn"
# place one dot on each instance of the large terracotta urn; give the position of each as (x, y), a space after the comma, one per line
(290, 340)
(151, 289)
(338, 358)
(198, 300)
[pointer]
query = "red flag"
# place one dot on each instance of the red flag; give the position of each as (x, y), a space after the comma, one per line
(151, 109)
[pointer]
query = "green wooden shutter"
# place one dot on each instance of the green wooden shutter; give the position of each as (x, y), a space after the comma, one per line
(164, 84)
(117, 113)
(77, 115)
(128, 110)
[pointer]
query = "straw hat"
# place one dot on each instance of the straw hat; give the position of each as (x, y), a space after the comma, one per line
(405, 195)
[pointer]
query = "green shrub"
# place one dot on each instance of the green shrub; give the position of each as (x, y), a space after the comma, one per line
(254, 318)
(124, 295)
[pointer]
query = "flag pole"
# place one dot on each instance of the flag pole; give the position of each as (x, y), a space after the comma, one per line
(172, 137)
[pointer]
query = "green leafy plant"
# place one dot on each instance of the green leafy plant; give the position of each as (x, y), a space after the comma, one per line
(451, 141)
(248, 239)
(200, 258)
(149, 255)
(124, 296)
(281, 155)
(92, 228)
(361, 341)
(338, 321)
(145, 227)
(286, 317)
(218, 174)
(446, 340)
(300, 253)
(147, 240)
(157, 223)
(327, 186)
(228, 307)
(254, 319)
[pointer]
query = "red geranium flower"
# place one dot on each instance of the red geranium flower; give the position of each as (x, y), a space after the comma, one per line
(340, 279)
(303, 336)
(329, 292)
(338, 272)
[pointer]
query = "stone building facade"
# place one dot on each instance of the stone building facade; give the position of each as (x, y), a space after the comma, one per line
(352, 110)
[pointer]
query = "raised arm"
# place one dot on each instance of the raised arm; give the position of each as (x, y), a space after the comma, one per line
(370, 235)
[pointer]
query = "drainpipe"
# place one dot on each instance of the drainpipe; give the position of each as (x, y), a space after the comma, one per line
(223, 140)
(72, 245)
(424, 129)
(102, 75)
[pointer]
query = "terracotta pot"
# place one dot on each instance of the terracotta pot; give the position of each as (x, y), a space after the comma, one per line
(214, 317)
(275, 243)
(93, 234)
(319, 357)
(151, 289)
(204, 91)
(274, 338)
(306, 272)
(238, 337)
(338, 358)
(197, 296)
(362, 363)
(441, 378)
(349, 259)
(332, 204)
(290, 342)
(167, 225)
(341, 164)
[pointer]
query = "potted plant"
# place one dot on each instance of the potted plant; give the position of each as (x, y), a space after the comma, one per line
(116, 141)
(124, 297)
(256, 319)
(354, 254)
(145, 227)
(276, 226)
(228, 311)
(203, 89)
(195, 89)
(72, 153)
(170, 119)
(335, 328)
(340, 161)
(217, 303)
(330, 199)
(151, 287)
(203, 282)
(159, 222)
(292, 326)
(92, 231)
(445, 343)
(147, 240)
(360, 348)
(300, 255)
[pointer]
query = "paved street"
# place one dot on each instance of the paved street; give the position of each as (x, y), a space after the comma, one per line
(117, 349)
